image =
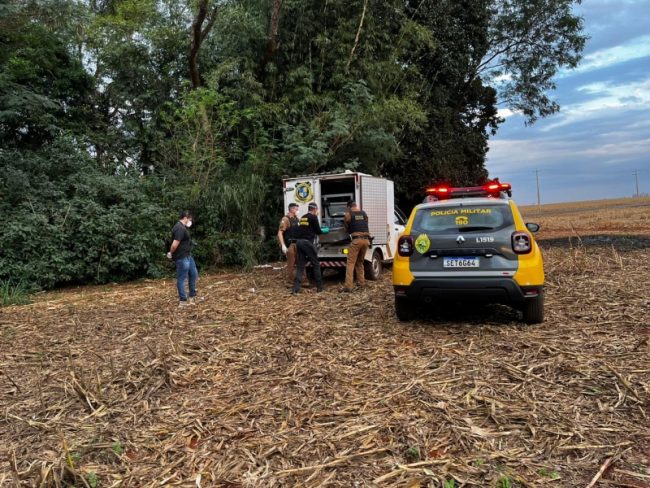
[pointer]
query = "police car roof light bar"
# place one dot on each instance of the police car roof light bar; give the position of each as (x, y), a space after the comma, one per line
(491, 188)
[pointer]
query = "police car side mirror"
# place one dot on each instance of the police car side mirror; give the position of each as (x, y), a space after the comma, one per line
(532, 227)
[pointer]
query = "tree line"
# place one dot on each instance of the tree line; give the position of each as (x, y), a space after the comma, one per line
(115, 114)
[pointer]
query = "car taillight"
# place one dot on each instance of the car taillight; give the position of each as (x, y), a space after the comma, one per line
(521, 243)
(405, 246)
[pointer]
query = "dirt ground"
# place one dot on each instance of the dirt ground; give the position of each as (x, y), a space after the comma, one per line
(114, 386)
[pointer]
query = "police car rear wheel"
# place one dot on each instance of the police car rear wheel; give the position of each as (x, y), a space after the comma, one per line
(534, 310)
(405, 309)
(374, 268)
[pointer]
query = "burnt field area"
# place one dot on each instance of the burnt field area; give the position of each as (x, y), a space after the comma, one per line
(115, 386)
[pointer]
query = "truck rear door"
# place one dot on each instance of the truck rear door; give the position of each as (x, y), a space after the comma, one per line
(303, 191)
(378, 203)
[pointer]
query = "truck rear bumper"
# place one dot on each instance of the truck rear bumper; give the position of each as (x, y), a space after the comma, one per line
(494, 290)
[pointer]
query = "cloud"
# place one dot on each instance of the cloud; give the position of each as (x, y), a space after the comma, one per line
(505, 113)
(608, 98)
(632, 49)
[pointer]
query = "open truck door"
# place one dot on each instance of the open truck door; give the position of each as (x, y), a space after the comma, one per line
(302, 191)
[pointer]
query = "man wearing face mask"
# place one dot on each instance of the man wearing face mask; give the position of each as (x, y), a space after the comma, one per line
(181, 253)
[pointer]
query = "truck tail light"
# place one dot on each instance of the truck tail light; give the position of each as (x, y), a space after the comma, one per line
(405, 246)
(521, 242)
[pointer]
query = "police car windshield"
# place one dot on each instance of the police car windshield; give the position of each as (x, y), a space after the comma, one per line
(462, 218)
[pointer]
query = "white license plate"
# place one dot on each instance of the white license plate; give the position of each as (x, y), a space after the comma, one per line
(460, 262)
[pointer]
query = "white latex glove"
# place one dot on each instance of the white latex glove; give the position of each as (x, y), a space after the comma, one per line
(169, 255)
(284, 249)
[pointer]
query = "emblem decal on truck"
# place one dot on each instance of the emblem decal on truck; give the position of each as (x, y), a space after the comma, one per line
(422, 243)
(304, 192)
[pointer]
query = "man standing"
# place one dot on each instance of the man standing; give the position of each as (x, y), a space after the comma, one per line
(307, 230)
(181, 253)
(356, 223)
(287, 238)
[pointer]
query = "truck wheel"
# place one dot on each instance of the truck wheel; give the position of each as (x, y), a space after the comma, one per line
(534, 310)
(374, 267)
(405, 309)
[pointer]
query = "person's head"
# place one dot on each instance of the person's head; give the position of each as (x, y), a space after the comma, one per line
(313, 208)
(353, 206)
(185, 218)
(293, 209)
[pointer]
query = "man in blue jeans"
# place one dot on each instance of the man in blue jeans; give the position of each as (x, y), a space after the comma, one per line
(181, 253)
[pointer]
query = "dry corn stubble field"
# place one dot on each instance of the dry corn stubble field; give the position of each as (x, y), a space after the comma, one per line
(114, 386)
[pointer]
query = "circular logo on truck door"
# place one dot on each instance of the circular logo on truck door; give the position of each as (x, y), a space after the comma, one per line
(304, 192)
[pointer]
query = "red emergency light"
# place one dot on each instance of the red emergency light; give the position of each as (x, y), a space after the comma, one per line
(491, 188)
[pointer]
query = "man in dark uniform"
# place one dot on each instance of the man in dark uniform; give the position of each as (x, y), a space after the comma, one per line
(287, 238)
(307, 230)
(181, 253)
(356, 223)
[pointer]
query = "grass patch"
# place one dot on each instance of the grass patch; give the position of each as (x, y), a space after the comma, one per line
(504, 482)
(412, 453)
(13, 293)
(554, 475)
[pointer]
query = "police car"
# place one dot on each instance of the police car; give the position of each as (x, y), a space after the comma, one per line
(465, 245)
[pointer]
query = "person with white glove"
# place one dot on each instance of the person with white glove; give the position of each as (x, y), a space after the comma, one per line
(286, 236)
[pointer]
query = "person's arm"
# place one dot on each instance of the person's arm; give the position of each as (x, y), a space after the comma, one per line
(283, 226)
(346, 221)
(177, 236)
(315, 225)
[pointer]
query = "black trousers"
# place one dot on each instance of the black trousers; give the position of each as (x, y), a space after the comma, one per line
(307, 252)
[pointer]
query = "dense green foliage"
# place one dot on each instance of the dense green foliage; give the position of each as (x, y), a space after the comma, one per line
(115, 114)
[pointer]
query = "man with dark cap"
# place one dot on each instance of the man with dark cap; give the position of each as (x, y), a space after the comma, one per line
(356, 223)
(287, 238)
(307, 230)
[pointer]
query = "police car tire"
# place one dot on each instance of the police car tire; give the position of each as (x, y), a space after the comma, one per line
(405, 309)
(373, 268)
(534, 310)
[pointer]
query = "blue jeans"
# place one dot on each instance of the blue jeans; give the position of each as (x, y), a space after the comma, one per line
(184, 267)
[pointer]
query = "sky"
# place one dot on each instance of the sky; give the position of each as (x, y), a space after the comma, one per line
(591, 149)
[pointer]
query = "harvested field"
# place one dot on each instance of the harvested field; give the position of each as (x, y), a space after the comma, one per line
(114, 386)
(622, 216)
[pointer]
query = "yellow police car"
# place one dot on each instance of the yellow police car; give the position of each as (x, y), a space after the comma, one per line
(468, 245)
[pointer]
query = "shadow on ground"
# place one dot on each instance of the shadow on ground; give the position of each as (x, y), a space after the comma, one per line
(619, 242)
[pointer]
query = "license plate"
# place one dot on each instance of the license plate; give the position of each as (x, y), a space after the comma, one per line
(460, 262)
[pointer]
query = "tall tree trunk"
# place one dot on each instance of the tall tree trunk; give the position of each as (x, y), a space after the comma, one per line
(199, 33)
(272, 45)
(356, 39)
(197, 25)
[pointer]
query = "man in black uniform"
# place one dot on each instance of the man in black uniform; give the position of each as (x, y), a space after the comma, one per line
(307, 230)
(356, 223)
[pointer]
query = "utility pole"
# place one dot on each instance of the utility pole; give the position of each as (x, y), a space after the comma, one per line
(539, 202)
(636, 177)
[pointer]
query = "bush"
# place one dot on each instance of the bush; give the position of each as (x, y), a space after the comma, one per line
(68, 222)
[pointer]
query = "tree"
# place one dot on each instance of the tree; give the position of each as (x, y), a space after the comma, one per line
(529, 42)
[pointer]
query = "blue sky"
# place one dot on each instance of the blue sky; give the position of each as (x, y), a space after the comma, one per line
(601, 136)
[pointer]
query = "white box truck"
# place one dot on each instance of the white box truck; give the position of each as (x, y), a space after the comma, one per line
(332, 192)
